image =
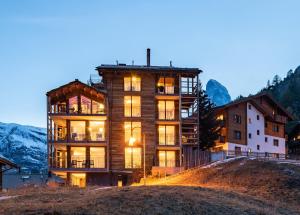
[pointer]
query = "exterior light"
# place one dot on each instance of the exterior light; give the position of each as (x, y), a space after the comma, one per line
(131, 141)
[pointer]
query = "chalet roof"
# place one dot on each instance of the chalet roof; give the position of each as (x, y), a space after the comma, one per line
(5, 161)
(112, 67)
(256, 105)
(76, 82)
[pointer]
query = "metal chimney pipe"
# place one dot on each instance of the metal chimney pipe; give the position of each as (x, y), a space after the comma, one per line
(148, 57)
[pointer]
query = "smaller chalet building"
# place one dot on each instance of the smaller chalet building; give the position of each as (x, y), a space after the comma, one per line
(255, 124)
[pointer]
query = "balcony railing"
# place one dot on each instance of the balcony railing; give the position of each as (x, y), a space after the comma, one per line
(78, 162)
(279, 118)
(166, 90)
(62, 109)
(76, 137)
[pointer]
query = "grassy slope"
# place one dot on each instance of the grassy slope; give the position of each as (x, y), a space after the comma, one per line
(240, 187)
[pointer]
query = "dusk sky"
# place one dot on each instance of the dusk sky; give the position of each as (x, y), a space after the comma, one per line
(45, 44)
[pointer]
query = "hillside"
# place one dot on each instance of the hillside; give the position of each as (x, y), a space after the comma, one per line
(25, 145)
(237, 187)
(287, 91)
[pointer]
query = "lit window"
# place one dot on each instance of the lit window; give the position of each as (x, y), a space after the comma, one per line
(132, 83)
(132, 130)
(166, 110)
(97, 130)
(97, 108)
(73, 104)
(166, 135)
(77, 130)
(132, 106)
(167, 158)
(85, 105)
(97, 157)
(220, 117)
(78, 157)
(133, 157)
(165, 85)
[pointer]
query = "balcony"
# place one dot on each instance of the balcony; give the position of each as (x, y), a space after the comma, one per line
(78, 162)
(280, 118)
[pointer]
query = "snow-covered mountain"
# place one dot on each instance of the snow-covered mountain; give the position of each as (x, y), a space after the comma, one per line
(25, 145)
(217, 93)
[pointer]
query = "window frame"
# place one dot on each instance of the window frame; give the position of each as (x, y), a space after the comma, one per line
(165, 110)
(132, 157)
(131, 106)
(130, 84)
(165, 135)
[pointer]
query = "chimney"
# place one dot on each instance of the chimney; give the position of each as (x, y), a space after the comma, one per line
(148, 57)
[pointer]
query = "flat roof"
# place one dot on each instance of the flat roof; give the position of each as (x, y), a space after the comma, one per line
(148, 68)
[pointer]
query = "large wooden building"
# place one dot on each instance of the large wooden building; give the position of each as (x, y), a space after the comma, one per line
(131, 121)
(255, 124)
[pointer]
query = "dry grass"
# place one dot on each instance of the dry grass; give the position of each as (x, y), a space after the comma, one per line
(241, 187)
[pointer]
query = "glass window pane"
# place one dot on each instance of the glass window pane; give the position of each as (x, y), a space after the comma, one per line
(170, 135)
(136, 83)
(137, 157)
(132, 129)
(128, 161)
(161, 135)
(97, 159)
(127, 106)
(170, 110)
(136, 106)
(161, 109)
(170, 158)
(127, 83)
(98, 108)
(169, 85)
(85, 105)
(162, 158)
(78, 157)
(77, 130)
(73, 105)
(97, 130)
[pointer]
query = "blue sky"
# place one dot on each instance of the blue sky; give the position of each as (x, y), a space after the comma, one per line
(44, 44)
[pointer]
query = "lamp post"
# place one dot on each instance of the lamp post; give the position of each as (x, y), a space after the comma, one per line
(131, 143)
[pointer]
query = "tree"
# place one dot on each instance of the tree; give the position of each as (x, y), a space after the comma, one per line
(289, 73)
(209, 126)
(276, 80)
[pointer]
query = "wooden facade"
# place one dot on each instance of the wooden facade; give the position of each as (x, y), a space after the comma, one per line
(112, 92)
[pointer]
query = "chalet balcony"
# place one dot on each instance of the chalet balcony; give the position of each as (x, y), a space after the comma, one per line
(280, 119)
(78, 162)
(167, 90)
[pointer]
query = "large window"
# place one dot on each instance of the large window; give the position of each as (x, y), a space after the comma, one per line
(97, 130)
(132, 83)
(77, 130)
(167, 158)
(132, 106)
(165, 85)
(166, 110)
(97, 157)
(132, 133)
(73, 104)
(166, 135)
(78, 157)
(133, 157)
